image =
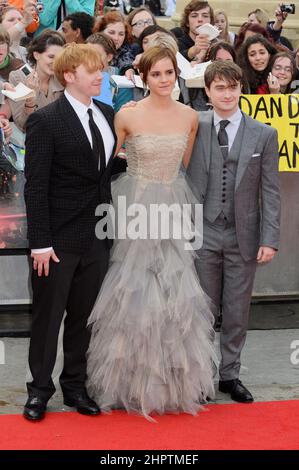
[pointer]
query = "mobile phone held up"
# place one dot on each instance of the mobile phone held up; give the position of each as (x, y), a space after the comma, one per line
(26, 69)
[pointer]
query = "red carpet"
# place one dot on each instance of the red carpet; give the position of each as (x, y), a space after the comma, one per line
(270, 425)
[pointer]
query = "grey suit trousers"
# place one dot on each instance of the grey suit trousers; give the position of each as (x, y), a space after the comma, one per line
(228, 280)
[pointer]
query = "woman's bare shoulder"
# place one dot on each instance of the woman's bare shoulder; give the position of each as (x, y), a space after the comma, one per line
(124, 114)
(189, 112)
(127, 117)
(129, 110)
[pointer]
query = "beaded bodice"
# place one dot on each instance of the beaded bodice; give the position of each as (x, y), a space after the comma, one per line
(155, 157)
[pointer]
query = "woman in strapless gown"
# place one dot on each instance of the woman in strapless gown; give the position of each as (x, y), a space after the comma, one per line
(151, 348)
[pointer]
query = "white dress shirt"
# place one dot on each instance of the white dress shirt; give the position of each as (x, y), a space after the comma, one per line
(231, 128)
(101, 122)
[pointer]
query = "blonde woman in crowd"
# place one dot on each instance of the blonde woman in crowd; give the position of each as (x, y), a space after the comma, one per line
(258, 16)
(221, 21)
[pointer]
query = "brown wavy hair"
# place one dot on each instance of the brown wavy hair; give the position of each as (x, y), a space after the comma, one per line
(224, 69)
(194, 5)
(40, 43)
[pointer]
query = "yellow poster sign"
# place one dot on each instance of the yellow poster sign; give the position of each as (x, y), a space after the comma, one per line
(281, 112)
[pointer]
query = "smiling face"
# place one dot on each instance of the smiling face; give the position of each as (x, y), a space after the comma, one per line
(282, 69)
(161, 77)
(84, 82)
(45, 60)
(224, 96)
(258, 57)
(117, 32)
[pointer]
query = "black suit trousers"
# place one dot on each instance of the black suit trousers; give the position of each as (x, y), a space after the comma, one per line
(72, 286)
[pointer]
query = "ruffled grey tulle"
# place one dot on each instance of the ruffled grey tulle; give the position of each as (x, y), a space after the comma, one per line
(151, 348)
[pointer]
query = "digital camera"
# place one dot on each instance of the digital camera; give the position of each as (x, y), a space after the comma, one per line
(290, 8)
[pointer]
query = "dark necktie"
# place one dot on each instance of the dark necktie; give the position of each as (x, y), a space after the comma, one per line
(223, 138)
(98, 148)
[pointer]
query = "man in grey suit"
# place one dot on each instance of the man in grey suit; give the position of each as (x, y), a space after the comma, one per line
(234, 167)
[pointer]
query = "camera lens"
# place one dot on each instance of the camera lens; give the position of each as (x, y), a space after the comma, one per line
(288, 8)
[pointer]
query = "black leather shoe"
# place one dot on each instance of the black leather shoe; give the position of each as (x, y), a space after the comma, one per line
(82, 402)
(236, 389)
(35, 409)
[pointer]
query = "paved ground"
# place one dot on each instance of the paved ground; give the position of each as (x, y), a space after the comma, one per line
(267, 369)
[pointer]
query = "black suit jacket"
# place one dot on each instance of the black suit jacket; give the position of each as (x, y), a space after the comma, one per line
(63, 185)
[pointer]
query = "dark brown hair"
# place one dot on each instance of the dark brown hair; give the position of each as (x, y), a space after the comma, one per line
(212, 52)
(255, 78)
(225, 70)
(152, 56)
(40, 44)
(194, 5)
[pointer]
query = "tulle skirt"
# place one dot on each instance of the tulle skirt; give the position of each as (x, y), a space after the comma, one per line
(151, 349)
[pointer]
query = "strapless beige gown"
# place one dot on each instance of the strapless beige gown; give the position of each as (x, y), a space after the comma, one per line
(151, 348)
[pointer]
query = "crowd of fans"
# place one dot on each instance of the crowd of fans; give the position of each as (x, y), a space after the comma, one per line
(33, 33)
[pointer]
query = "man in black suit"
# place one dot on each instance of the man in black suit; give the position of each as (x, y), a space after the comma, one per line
(69, 153)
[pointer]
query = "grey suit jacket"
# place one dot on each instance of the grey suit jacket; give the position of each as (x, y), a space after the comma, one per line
(257, 195)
